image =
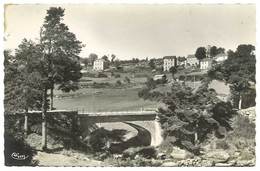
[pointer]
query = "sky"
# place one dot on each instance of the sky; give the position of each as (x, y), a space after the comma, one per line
(140, 31)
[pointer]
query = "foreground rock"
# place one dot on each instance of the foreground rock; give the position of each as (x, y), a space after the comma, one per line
(219, 156)
(180, 154)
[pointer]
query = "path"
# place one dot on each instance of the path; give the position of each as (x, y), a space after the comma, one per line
(53, 159)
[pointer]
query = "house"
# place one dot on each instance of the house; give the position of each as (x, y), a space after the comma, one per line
(192, 60)
(99, 65)
(168, 62)
(206, 63)
(220, 57)
(160, 78)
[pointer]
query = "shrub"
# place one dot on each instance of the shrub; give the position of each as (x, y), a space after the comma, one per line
(117, 75)
(100, 85)
(101, 75)
(127, 80)
(118, 83)
(88, 74)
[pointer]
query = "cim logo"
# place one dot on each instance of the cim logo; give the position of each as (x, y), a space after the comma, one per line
(18, 156)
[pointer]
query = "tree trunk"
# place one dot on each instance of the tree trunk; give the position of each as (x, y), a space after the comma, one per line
(44, 120)
(51, 100)
(240, 102)
(196, 135)
(26, 123)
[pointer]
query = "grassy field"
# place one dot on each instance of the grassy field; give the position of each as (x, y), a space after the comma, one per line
(97, 100)
(93, 99)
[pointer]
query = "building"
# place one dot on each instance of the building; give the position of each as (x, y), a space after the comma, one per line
(159, 77)
(99, 65)
(220, 57)
(192, 60)
(205, 63)
(168, 62)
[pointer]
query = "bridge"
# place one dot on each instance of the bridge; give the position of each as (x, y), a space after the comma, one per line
(147, 121)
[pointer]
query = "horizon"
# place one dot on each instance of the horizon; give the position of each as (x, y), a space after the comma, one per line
(140, 31)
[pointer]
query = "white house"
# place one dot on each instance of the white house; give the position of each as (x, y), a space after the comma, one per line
(99, 65)
(168, 62)
(220, 57)
(192, 60)
(205, 63)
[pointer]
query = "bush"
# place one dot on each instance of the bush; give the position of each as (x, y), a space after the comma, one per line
(145, 152)
(117, 75)
(88, 74)
(101, 75)
(144, 93)
(118, 83)
(127, 80)
(100, 85)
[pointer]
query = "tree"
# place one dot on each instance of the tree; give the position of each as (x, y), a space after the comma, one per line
(61, 49)
(213, 51)
(238, 70)
(22, 80)
(173, 70)
(113, 58)
(152, 63)
(189, 117)
(220, 50)
(85, 61)
(200, 53)
(127, 80)
(105, 58)
(22, 88)
(92, 57)
(59, 60)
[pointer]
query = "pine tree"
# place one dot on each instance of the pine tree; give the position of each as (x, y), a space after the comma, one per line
(59, 62)
(61, 49)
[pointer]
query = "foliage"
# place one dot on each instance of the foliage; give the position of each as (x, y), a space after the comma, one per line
(22, 79)
(150, 83)
(101, 139)
(105, 58)
(92, 57)
(113, 58)
(214, 51)
(118, 83)
(189, 115)
(200, 53)
(85, 61)
(101, 75)
(238, 70)
(127, 80)
(152, 64)
(173, 70)
(60, 49)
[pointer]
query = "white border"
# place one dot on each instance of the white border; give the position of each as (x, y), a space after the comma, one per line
(127, 2)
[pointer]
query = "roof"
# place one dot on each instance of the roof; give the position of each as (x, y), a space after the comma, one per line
(169, 57)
